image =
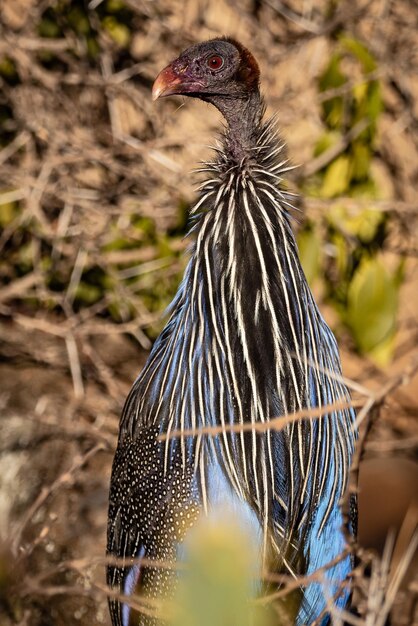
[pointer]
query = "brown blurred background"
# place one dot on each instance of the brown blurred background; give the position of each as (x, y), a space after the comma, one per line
(95, 185)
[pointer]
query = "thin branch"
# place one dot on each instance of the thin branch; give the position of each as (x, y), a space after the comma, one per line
(335, 150)
(66, 478)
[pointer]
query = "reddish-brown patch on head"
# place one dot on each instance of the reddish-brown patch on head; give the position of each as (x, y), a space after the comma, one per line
(248, 71)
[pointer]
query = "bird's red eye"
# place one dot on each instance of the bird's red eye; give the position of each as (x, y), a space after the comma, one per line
(215, 62)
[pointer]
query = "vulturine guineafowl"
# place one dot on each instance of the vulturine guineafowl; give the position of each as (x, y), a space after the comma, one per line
(245, 343)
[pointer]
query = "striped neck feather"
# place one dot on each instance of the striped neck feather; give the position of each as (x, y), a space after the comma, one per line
(246, 343)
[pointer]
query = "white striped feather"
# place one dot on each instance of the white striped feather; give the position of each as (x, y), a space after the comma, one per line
(204, 370)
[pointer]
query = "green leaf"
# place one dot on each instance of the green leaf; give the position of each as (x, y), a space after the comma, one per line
(341, 254)
(7, 68)
(361, 157)
(365, 189)
(331, 78)
(118, 31)
(48, 28)
(326, 140)
(216, 586)
(8, 212)
(79, 21)
(399, 274)
(382, 353)
(310, 253)
(337, 177)
(359, 50)
(93, 47)
(365, 225)
(374, 102)
(87, 294)
(145, 224)
(334, 112)
(371, 309)
(359, 91)
(114, 6)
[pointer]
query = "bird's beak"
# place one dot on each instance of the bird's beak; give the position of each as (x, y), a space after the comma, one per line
(171, 82)
(167, 83)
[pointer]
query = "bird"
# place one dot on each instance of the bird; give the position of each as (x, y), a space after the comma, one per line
(244, 346)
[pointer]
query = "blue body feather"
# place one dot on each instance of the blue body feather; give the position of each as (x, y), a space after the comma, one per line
(245, 343)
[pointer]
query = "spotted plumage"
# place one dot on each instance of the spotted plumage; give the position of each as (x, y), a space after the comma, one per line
(245, 343)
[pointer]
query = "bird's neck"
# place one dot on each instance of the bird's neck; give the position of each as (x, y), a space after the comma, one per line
(243, 117)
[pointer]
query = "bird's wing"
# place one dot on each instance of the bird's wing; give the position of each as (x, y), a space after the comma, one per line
(150, 510)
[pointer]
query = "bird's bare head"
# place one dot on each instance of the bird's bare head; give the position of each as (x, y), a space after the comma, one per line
(219, 68)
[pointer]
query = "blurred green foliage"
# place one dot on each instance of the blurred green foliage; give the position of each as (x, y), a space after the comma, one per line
(344, 251)
(113, 282)
(356, 280)
(372, 303)
(219, 582)
(113, 18)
